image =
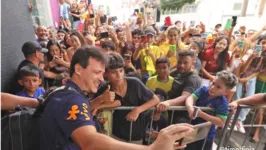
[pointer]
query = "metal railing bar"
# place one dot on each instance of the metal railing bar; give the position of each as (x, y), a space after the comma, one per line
(252, 122)
(264, 134)
(150, 127)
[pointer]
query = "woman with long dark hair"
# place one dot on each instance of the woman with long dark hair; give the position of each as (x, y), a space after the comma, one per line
(214, 60)
(57, 62)
(77, 41)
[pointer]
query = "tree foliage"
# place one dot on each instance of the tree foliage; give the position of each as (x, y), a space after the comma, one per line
(174, 4)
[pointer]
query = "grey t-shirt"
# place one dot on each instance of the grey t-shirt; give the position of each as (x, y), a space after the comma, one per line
(188, 82)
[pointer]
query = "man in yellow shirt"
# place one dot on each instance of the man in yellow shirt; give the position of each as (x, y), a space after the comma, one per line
(148, 54)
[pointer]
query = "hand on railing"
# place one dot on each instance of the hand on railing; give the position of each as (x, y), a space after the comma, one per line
(233, 106)
(168, 136)
(163, 106)
(133, 115)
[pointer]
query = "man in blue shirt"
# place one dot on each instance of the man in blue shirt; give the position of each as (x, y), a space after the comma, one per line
(67, 121)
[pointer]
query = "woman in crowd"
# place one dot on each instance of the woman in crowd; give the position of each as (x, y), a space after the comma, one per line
(172, 46)
(260, 87)
(214, 60)
(75, 12)
(77, 41)
(127, 52)
(57, 62)
(197, 46)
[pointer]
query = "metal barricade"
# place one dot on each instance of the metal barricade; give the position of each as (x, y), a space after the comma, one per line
(172, 108)
(231, 122)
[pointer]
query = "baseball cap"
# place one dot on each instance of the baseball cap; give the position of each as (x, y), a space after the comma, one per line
(31, 47)
(149, 31)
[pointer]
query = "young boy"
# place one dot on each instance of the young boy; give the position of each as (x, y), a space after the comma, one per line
(30, 80)
(162, 80)
(214, 97)
(159, 119)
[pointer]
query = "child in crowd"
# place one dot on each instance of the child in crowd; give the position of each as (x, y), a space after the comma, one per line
(214, 97)
(162, 80)
(30, 80)
(197, 46)
(159, 119)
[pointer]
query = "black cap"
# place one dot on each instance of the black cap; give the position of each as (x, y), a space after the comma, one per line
(149, 31)
(31, 47)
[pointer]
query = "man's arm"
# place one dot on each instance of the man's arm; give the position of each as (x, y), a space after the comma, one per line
(179, 101)
(257, 99)
(215, 120)
(86, 137)
(136, 54)
(50, 75)
(9, 101)
(255, 36)
(133, 115)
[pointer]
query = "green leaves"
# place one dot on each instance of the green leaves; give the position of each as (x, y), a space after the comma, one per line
(174, 4)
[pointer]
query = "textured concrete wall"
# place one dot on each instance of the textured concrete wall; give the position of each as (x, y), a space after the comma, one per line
(17, 28)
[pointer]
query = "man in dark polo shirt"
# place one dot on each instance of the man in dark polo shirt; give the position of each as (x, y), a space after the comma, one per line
(34, 55)
(186, 81)
(67, 122)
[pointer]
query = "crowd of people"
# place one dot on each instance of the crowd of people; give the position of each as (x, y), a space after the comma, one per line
(137, 64)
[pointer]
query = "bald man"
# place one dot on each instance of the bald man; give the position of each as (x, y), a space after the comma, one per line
(42, 34)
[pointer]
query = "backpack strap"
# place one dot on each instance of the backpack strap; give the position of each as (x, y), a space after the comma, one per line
(44, 100)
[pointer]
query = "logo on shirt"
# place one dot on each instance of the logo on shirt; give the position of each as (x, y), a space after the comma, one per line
(75, 110)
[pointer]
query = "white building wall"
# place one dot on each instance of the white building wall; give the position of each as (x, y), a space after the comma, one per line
(212, 12)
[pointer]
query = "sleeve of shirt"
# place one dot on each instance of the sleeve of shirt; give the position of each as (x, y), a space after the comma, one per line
(222, 109)
(192, 84)
(73, 114)
(198, 92)
(144, 93)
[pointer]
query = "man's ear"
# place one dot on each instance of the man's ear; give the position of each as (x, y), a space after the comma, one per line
(20, 82)
(78, 69)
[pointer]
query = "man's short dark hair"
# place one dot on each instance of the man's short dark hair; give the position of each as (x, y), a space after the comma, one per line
(115, 61)
(61, 31)
(161, 60)
(29, 70)
(177, 22)
(109, 44)
(218, 25)
(186, 53)
(82, 56)
(137, 32)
